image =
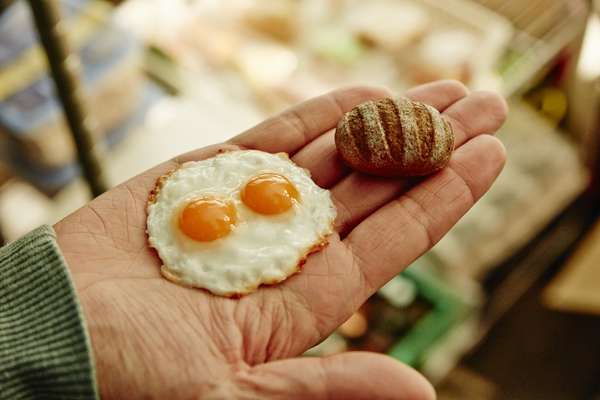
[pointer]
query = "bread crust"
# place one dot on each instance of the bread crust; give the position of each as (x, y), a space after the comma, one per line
(394, 137)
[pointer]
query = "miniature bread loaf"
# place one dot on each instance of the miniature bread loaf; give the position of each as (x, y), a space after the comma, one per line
(394, 137)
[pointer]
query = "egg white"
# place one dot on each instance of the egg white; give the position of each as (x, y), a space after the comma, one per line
(261, 249)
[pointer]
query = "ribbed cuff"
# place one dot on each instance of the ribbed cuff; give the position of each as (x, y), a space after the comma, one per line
(44, 347)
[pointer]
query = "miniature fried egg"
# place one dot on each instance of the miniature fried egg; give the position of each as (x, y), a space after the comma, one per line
(238, 220)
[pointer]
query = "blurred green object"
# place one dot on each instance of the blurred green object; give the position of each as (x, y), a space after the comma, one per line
(409, 318)
(337, 45)
(508, 60)
(448, 310)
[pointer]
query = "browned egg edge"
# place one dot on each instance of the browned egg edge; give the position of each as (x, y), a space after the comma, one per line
(153, 195)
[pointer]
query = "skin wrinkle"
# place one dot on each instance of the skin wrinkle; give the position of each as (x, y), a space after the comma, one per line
(344, 274)
(128, 227)
(99, 329)
(328, 394)
(286, 325)
(322, 321)
(97, 214)
(359, 249)
(292, 381)
(421, 200)
(290, 309)
(328, 259)
(365, 283)
(179, 352)
(132, 198)
(233, 350)
(100, 258)
(218, 329)
(277, 324)
(73, 232)
(134, 258)
(344, 216)
(406, 202)
(244, 381)
(428, 193)
(318, 316)
(198, 331)
(437, 192)
(108, 231)
(325, 316)
(253, 341)
(465, 195)
(465, 176)
(470, 191)
(297, 123)
(124, 219)
(360, 262)
(143, 348)
(377, 192)
(471, 197)
(374, 248)
(251, 337)
(132, 217)
(313, 336)
(212, 348)
(97, 282)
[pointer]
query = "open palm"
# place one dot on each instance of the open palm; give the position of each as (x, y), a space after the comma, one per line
(154, 339)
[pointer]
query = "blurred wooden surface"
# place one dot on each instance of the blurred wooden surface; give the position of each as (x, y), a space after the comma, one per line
(577, 287)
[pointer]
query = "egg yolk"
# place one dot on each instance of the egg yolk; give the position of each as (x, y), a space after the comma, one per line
(269, 194)
(207, 219)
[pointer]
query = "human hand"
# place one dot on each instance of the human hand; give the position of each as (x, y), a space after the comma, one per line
(154, 339)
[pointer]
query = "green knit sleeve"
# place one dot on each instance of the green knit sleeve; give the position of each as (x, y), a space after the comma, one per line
(44, 348)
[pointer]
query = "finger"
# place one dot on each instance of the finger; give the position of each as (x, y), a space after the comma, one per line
(398, 233)
(320, 156)
(439, 94)
(299, 125)
(347, 376)
(476, 114)
(358, 195)
(479, 113)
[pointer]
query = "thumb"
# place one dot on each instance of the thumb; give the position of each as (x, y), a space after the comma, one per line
(353, 375)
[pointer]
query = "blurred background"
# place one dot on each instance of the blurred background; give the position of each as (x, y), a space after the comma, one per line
(506, 306)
